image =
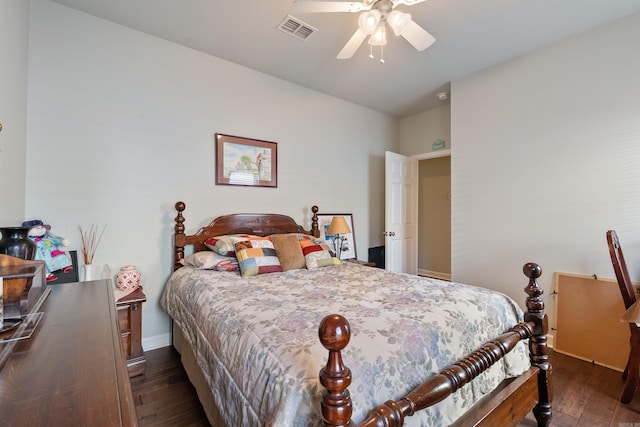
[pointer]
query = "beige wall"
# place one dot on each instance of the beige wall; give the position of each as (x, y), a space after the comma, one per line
(122, 124)
(417, 133)
(547, 164)
(14, 39)
(546, 159)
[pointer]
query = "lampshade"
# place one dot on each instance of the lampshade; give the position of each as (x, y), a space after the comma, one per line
(399, 22)
(338, 226)
(632, 315)
(368, 21)
(379, 36)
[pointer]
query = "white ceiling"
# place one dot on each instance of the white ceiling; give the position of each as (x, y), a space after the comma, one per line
(470, 35)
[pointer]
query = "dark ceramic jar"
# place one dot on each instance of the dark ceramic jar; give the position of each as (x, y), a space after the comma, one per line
(15, 241)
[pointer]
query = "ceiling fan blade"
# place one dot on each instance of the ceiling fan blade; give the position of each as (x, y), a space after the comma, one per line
(352, 45)
(326, 6)
(418, 37)
(407, 2)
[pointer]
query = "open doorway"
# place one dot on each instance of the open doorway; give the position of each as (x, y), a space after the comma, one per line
(434, 214)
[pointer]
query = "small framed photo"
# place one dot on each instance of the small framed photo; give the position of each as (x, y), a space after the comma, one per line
(246, 162)
(344, 244)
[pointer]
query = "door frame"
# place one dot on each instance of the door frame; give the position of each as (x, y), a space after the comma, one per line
(428, 156)
(432, 154)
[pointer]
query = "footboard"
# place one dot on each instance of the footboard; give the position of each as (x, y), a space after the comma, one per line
(506, 407)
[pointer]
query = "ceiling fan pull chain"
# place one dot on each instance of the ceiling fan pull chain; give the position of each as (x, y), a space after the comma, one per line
(382, 54)
(370, 51)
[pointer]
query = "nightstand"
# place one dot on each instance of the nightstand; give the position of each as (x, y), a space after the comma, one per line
(130, 323)
(365, 263)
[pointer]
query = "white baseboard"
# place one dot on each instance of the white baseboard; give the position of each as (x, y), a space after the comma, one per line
(434, 274)
(156, 341)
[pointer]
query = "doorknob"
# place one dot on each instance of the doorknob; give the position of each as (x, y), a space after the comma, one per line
(389, 233)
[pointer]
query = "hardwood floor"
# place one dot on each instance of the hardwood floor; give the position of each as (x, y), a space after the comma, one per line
(584, 395)
(163, 395)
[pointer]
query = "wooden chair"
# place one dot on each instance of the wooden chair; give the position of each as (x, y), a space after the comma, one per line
(632, 370)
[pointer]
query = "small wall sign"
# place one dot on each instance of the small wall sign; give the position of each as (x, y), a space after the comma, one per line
(439, 144)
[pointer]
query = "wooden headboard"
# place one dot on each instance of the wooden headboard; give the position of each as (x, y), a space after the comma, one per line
(256, 224)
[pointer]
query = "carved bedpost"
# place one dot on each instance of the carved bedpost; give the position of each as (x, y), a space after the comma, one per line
(314, 221)
(538, 343)
(179, 240)
(335, 333)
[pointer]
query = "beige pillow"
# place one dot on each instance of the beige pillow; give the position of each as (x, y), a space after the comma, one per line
(206, 260)
(288, 251)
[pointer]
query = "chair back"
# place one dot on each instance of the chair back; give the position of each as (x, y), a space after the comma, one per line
(620, 268)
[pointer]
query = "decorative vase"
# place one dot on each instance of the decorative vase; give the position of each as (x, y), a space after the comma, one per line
(128, 278)
(15, 241)
(88, 272)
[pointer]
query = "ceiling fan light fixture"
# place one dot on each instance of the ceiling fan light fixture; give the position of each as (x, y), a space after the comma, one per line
(368, 21)
(399, 22)
(373, 17)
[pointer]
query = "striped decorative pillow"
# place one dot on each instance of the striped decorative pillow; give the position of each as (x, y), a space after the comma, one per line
(257, 256)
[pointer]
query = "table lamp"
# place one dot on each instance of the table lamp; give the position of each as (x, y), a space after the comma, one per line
(337, 227)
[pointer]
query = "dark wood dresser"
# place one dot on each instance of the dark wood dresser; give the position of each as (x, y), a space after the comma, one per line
(72, 371)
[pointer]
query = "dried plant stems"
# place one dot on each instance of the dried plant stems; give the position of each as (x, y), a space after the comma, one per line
(90, 242)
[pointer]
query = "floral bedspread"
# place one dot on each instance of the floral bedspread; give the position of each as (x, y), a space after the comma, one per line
(256, 338)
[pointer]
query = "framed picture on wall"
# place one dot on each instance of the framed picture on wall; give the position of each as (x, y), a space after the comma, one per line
(343, 244)
(245, 161)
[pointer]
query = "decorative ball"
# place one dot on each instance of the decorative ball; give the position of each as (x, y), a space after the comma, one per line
(128, 278)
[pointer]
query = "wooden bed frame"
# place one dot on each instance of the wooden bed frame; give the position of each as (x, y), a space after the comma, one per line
(505, 406)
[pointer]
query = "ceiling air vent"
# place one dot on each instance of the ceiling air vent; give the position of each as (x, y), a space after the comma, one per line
(296, 28)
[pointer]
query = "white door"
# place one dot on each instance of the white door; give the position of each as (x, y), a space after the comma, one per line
(401, 213)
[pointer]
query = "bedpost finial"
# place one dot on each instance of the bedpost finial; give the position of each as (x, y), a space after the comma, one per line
(334, 332)
(314, 221)
(180, 206)
(335, 405)
(532, 270)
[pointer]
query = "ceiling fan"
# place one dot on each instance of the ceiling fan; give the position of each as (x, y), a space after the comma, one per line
(376, 14)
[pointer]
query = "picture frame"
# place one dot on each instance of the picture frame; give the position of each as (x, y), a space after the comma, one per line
(348, 240)
(246, 162)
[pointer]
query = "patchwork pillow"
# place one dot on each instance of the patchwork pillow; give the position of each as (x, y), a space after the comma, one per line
(288, 251)
(224, 245)
(302, 236)
(317, 253)
(257, 256)
(206, 260)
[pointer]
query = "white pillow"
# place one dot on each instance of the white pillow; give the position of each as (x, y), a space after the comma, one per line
(205, 260)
